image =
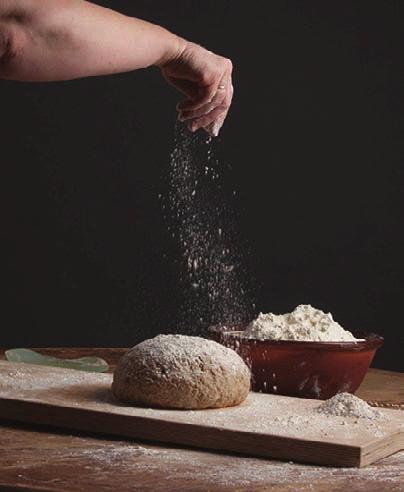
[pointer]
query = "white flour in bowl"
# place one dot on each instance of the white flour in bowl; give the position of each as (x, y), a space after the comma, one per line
(304, 323)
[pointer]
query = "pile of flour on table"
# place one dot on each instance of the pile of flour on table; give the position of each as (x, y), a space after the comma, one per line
(304, 323)
(347, 405)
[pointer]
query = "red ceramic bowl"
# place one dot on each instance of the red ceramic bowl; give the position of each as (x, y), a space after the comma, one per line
(302, 369)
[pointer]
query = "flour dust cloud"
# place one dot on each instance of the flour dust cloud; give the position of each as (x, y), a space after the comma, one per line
(213, 281)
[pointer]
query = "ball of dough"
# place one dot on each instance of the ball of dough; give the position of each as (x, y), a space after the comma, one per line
(178, 371)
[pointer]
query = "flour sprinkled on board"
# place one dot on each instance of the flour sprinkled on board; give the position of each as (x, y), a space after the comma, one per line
(23, 377)
(305, 323)
(221, 471)
(347, 405)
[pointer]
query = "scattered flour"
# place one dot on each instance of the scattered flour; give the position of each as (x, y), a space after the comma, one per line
(347, 405)
(304, 323)
(24, 377)
(204, 470)
(214, 284)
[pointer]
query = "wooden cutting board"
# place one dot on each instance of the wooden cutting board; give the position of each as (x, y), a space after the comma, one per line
(264, 425)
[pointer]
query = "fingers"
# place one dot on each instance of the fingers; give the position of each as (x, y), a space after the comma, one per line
(212, 118)
(217, 100)
(206, 81)
(209, 88)
(205, 120)
(214, 128)
(205, 96)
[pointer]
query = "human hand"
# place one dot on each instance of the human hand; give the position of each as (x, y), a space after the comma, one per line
(205, 79)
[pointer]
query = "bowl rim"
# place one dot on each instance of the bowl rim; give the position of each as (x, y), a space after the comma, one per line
(367, 340)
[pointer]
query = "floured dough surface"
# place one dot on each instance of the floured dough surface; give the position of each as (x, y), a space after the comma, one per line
(178, 371)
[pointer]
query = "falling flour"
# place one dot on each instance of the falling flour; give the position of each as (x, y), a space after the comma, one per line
(304, 323)
(213, 281)
(347, 405)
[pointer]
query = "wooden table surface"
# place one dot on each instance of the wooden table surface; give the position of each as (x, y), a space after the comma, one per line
(47, 459)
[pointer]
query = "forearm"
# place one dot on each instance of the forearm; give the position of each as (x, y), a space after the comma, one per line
(65, 39)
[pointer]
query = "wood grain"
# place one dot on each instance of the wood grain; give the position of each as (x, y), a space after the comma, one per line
(78, 400)
(64, 462)
(383, 389)
(46, 459)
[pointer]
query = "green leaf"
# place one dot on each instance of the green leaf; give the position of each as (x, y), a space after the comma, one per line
(90, 364)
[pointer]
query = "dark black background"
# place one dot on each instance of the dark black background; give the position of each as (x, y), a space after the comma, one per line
(315, 142)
